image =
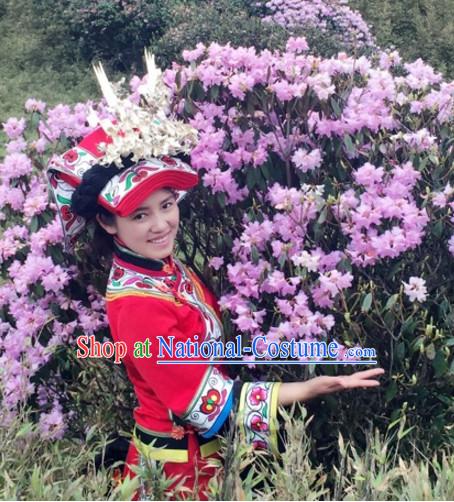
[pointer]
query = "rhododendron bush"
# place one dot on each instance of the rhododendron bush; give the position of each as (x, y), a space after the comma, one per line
(327, 206)
(324, 213)
(44, 304)
(334, 20)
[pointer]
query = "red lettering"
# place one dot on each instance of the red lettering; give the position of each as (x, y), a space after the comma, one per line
(120, 351)
(81, 343)
(95, 347)
(107, 349)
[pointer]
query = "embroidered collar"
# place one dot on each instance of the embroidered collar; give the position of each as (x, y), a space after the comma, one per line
(128, 255)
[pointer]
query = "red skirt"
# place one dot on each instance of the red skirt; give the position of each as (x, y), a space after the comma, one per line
(196, 473)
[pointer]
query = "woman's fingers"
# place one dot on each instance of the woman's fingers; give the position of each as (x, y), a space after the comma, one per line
(369, 373)
(363, 378)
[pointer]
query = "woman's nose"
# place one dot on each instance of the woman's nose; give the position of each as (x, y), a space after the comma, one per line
(158, 224)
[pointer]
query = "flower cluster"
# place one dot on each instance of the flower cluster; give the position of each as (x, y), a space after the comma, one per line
(283, 240)
(37, 312)
(331, 158)
(386, 201)
(337, 18)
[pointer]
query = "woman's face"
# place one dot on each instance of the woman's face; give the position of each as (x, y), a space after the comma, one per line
(152, 228)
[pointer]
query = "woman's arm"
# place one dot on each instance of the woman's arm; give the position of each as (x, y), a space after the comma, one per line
(290, 393)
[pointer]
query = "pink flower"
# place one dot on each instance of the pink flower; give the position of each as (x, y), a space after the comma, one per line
(421, 75)
(368, 175)
(16, 146)
(33, 105)
(451, 245)
(284, 91)
(420, 140)
(258, 395)
(415, 289)
(216, 262)
(257, 423)
(307, 161)
(14, 127)
(194, 54)
(240, 83)
(51, 425)
(15, 165)
(296, 44)
(307, 260)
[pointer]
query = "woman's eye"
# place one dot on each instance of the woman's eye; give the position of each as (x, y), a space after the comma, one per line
(139, 216)
(167, 205)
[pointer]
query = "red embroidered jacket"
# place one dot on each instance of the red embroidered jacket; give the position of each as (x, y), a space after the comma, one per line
(147, 299)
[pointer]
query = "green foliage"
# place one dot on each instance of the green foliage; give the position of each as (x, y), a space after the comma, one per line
(221, 21)
(101, 395)
(423, 29)
(115, 31)
(35, 469)
(376, 472)
(35, 63)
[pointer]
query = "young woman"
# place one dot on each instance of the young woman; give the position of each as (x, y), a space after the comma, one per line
(152, 296)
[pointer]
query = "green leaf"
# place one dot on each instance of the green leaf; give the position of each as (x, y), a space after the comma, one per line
(34, 224)
(434, 159)
(391, 301)
(367, 302)
(255, 255)
(437, 229)
(389, 319)
(228, 240)
(349, 144)
(382, 149)
(400, 351)
(440, 364)
(451, 368)
(39, 290)
(408, 327)
(189, 107)
(282, 259)
(430, 351)
(220, 197)
(336, 107)
(251, 178)
(391, 391)
(24, 430)
(266, 169)
(214, 93)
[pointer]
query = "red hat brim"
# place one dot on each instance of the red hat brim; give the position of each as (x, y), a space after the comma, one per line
(166, 179)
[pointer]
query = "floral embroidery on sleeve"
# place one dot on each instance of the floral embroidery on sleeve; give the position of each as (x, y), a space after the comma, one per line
(212, 403)
(257, 414)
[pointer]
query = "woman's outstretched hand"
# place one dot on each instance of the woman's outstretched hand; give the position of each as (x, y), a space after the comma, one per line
(360, 379)
(290, 393)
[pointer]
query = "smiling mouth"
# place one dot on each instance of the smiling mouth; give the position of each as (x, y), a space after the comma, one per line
(161, 240)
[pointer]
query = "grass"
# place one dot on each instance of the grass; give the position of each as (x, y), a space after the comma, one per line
(34, 65)
(35, 469)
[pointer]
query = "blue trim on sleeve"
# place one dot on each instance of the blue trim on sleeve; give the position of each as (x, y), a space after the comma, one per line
(221, 418)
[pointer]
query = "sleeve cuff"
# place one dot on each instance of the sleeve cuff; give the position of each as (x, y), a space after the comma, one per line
(211, 406)
(258, 414)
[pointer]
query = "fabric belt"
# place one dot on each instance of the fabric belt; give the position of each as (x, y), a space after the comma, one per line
(164, 447)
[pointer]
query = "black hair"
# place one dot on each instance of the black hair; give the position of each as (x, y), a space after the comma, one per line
(84, 202)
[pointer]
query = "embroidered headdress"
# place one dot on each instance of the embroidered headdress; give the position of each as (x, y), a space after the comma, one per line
(143, 131)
